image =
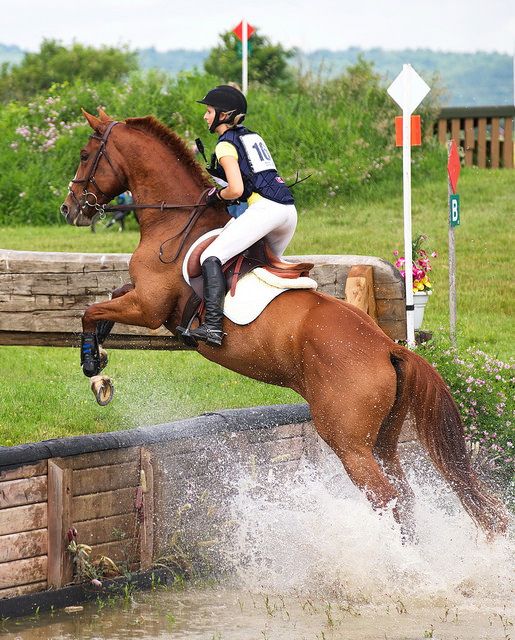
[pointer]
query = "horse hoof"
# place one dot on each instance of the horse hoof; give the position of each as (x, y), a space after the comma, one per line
(103, 389)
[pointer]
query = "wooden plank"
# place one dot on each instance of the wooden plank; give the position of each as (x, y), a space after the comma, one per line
(124, 551)
(389, 290)
(110, 529)
(22, 590)
(390, 310)
(104, 458)
(508, 149)
(61, 262)
(101, 505)
(442, 130)
(481, 143)
(147, 526)
(469, 142)
(395, 329)
(107, 478)
(67, 339)
(14, 493)
(84, 284)
(16, 302)
(494, 144)
(26, 518)
(60, 568)
(456, 131)
(66, 321)
(26, 544)
(24, 571)
(359, 289)
(25, 471)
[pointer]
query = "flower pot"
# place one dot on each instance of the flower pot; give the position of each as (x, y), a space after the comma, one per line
(419, 301)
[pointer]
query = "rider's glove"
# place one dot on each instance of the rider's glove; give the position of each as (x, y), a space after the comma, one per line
(214, 198)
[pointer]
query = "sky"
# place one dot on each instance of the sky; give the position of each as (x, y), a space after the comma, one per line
(443, 25)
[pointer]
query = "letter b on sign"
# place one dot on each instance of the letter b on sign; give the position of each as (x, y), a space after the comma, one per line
(454, 210)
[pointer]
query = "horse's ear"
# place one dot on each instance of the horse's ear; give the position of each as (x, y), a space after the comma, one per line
(94, 122)
(103, 115)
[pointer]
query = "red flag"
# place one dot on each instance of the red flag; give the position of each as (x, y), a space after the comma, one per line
(238, 31)
(453, 166)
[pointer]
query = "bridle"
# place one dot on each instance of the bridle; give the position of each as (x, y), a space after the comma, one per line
(101, 209)
(90, 199)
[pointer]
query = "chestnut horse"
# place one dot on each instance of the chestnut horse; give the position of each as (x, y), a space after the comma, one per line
(360, 384)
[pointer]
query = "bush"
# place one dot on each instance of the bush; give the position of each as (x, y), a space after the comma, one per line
(482, 387)
(340, 131)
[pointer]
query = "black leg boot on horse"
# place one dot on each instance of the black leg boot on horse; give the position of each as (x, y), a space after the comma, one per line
(214, 295)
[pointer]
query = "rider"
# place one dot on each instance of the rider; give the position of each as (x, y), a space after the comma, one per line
(243, 161)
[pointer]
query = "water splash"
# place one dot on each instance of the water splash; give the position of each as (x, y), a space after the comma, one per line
(314, 533)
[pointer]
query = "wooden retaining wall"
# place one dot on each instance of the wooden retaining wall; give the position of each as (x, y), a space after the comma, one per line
(40, 502)
(153, 494)
(104, 487)
(43, 295)
(484, 133)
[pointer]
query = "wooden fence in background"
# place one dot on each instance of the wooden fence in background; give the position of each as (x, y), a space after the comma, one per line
(484, 133)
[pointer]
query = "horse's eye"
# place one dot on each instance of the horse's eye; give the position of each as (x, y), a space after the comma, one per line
(84, 155)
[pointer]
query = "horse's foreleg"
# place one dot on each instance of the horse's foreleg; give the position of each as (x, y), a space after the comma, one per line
(125, 307)
(104, 327)
(93, 355)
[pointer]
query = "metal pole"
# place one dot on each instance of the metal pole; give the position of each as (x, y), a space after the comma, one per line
(244, 57)
(452, 264)
(408, 238)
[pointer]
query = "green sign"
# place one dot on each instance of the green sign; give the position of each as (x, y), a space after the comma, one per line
(239, 48)
(454, 210)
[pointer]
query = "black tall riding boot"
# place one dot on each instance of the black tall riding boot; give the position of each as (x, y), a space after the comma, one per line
(214, 295)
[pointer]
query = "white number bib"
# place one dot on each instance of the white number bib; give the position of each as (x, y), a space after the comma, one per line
(257, 153)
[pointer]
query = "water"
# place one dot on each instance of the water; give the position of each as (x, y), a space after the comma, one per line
(303, 556)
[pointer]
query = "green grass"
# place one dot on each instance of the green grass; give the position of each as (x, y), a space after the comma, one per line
(44, 394)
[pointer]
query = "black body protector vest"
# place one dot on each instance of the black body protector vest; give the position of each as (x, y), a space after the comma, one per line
(256, 165)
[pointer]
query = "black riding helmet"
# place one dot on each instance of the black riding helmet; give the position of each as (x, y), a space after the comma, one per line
(226, 99)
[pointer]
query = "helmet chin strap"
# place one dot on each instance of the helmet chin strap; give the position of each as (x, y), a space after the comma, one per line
(231, 120)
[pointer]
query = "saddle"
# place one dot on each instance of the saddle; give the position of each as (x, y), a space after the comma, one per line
(259, 255)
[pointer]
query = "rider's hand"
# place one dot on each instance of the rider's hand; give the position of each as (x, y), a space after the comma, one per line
(213, 197)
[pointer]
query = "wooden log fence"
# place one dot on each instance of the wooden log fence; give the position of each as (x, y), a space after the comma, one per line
(43, 296)
(485, 134)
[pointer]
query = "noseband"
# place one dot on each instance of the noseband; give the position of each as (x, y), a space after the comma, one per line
(90, 199)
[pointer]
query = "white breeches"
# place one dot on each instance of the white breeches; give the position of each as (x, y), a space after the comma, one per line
(263, 219)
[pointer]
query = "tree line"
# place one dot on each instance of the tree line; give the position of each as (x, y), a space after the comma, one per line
(465, 79)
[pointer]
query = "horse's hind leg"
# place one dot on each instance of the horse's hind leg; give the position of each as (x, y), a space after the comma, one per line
(348, 417)
(386, 451)
(352, 436)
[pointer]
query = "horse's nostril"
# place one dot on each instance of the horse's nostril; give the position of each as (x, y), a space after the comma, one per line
(64, 209)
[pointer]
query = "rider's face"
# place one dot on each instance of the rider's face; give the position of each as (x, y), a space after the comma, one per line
(209, 116)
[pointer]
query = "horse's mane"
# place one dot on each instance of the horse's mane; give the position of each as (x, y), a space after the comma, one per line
(151, 125)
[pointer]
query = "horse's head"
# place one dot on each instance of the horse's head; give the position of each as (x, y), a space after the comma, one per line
(98, 178)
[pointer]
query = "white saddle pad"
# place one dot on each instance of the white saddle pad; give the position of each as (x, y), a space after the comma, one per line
(254, 291)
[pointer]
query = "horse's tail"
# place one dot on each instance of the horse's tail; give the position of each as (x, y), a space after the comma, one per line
(440, 430)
